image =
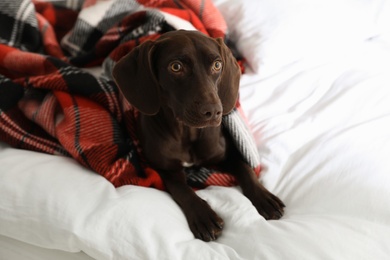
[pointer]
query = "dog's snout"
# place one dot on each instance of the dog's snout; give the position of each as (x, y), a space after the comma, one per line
(211, 111)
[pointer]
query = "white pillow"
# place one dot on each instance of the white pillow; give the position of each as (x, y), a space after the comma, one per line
(274, 33)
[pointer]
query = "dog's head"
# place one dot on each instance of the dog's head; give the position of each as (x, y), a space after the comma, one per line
(194, 75)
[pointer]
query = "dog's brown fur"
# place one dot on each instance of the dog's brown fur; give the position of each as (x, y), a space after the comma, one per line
(183, 83)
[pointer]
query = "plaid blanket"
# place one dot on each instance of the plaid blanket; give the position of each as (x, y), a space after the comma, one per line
(50, 103)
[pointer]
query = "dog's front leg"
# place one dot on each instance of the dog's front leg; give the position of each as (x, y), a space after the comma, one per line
(204, 223)
(267, 204)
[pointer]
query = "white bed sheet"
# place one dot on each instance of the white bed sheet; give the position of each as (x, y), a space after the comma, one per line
(322, 126)
(11, 249)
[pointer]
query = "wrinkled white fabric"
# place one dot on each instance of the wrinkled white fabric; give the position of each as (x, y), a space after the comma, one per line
(322, 127)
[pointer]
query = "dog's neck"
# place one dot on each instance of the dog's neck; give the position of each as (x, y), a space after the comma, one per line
(178, 127)
(165, 119)
(166, 141)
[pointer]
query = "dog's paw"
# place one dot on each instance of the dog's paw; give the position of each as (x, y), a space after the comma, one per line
(204, 223)
(267, 204)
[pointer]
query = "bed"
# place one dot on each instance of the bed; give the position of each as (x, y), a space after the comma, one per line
(316, 93)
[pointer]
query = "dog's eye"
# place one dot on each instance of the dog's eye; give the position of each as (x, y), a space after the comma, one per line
(176, 67)
(217, 65)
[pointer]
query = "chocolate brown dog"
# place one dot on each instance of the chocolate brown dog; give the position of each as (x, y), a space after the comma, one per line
(183, 83)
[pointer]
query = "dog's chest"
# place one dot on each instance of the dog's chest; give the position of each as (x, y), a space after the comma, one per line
(171, 148)
(201, 146)
(190, 156)
(187, 164)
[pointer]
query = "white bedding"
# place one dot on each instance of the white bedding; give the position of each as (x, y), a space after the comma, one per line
(317, 96)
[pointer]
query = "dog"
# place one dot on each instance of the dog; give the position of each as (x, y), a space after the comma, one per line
(182, 84)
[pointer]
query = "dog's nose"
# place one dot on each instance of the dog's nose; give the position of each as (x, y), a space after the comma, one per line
(211, 111)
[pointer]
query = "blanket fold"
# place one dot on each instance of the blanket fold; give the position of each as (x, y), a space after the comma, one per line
(50, 103)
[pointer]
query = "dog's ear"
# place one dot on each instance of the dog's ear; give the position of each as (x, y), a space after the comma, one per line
(230, 78)
(136, 79)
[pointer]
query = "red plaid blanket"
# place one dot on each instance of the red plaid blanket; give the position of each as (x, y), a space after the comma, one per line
(48, 103)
